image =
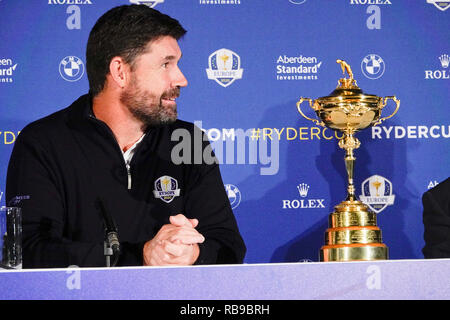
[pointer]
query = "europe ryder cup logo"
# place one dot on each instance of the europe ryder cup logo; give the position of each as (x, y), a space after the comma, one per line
(71, 68)
(166, 189)
(372, 66)
(234, 195)
(440, 4)
(150, 3)
(377, 193)
(224, 67)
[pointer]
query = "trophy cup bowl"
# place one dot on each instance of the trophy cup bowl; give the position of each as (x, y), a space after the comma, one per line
(353, 233)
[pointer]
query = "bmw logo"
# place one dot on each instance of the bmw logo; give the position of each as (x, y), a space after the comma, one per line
(234, 195)
(71, 68)
(372, 66)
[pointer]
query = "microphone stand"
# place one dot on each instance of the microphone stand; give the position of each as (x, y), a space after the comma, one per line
(111, 247)
(108, 252)
(111, 244)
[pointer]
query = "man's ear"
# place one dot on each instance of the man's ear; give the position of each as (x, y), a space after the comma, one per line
(119, 71)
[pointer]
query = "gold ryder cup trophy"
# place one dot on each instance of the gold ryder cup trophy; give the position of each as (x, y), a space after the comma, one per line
(352, 232)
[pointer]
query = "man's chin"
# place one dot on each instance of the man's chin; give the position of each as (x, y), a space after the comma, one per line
(156, 115)
(168, 113)
(162, 120)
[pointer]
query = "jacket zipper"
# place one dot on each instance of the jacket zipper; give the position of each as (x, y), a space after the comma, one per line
(127, 165)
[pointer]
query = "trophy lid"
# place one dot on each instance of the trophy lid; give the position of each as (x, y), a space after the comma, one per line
(347, 108)
(347, 87)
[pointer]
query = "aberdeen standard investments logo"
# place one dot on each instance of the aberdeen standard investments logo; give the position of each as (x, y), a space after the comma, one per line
(224, 67)
(71, 68)
(297, 67)
(7, 68)
(219, 2)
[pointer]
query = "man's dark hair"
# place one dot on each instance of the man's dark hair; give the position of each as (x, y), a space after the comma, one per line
(124, 31)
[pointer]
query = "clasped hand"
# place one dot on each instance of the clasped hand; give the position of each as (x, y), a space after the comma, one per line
(174, 244)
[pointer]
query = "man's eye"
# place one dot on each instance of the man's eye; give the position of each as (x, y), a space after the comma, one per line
(165, 65)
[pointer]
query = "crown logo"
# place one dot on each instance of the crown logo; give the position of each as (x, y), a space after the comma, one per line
(303, 189)
(445, 60)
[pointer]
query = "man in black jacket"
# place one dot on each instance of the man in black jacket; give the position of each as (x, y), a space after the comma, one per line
(436, 219)
(108, 161)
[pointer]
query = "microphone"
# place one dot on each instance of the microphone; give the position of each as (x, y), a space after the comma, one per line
(111, 231)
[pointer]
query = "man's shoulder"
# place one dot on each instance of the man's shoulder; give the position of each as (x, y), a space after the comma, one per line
(440, 192)
(44, 128)
(52, 125)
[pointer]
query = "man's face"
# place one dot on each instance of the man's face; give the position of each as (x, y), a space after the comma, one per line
(155, 83)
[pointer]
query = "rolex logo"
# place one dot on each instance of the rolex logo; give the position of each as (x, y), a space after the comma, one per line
(445, 60)
(302, 203)
(303, 189)
(441, 74)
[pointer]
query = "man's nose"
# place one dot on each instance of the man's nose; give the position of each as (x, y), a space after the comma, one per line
(179, 80)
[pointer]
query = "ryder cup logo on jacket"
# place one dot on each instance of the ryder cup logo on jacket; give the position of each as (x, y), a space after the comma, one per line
(166, 189)
(377, 193)
(224, 67)
(440, 4)
(71, 68)
(150, 3)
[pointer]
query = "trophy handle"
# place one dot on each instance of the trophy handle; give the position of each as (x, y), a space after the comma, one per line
(397, 102)
(320, 123)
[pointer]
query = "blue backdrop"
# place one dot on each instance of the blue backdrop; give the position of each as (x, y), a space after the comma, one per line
(248, 62)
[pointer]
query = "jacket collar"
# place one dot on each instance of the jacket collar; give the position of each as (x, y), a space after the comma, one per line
(80, 115)
(80, 110)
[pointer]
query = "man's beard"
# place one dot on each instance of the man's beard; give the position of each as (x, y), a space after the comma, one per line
(148, 108)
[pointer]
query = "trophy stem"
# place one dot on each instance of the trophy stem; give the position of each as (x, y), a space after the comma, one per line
(350, 188)
(349, 143)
